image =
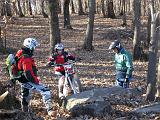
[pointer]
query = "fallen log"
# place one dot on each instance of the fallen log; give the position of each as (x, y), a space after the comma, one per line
(150, 108)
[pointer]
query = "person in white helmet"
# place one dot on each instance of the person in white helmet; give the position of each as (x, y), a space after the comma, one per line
(28, 76)
(59, 56)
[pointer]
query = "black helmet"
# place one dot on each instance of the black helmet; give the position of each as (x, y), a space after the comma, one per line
(115, 44)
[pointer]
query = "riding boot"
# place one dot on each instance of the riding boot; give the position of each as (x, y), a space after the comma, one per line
(60, 86)
(25, 108)
(61, 91)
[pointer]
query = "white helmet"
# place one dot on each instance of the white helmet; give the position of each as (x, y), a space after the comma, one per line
(30, 43)
(59, 46)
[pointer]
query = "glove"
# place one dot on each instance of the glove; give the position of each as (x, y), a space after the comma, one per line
(37, 81)
(126, 83)
(126, 80)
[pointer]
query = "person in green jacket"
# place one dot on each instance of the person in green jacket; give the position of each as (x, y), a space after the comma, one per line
(123, 64)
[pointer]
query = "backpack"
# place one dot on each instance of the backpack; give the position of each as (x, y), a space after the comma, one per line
(12, 68)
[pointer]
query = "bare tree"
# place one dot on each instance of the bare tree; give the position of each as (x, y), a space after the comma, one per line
(149, 23)
(5, 8)
(124, 13)
(8, 7)
(80, 8)
(72, 7)
(153, 49)
(20, 13)
(67, 23)
(137, 49)
(1, 42)
(110, 10)
(42, 9)
(158, 83)
(148, 29)
(54, 24)
(27, 9)
(89, 32)
(103, 8)
(143, 7)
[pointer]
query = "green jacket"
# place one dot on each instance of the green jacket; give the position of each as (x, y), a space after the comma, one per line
(123, 62)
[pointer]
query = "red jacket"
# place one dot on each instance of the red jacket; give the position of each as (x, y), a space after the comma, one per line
(60, 59)
(27, 65)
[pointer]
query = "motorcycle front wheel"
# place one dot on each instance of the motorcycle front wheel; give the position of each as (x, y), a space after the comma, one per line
(77, 86)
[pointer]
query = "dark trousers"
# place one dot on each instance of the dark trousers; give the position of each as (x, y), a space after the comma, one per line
(121, 79)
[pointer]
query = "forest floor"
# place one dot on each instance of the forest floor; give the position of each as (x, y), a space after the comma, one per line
(96, 69)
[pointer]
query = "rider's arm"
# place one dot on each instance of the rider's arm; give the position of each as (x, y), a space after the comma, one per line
(28, 70)
(71, 57)
(51, 61)
(129, 66)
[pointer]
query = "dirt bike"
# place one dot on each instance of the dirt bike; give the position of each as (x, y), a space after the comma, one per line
(72, 84)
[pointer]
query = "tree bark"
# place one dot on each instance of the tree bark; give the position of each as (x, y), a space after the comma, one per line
(42, 9)
(80, 8)
(148, 29)
(8, 8)
(20, 9)
(153, 49)
(54, 24)
(15, 11)
(144, 8)
(72, 7)
(158, 83)
(30, 9)
(67, 23)
(103, 8)
(89, 32)
(110, 10)
(1, 42)
(124, 14)
(137, 49)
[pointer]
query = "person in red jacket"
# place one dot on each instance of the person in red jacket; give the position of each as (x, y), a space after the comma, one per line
(59, 56)
(28, 76)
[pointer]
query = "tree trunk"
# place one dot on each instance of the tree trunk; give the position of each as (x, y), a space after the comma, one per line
(110, 11)
(62, 4)
(85, 6)
(30, 9)
(124, 14)
(148, 29)
(15, 11)
(20, 9)
(144, 8)
(42, 9)
(54, 24)
(80, 8)
(67, 23)
(1, 42)
(8, 8)
(121, 7)
(72, 7)
(153, 49)
(158, 82)
(103, 8)
(5, 8)
(137, 49)
(89, 32)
